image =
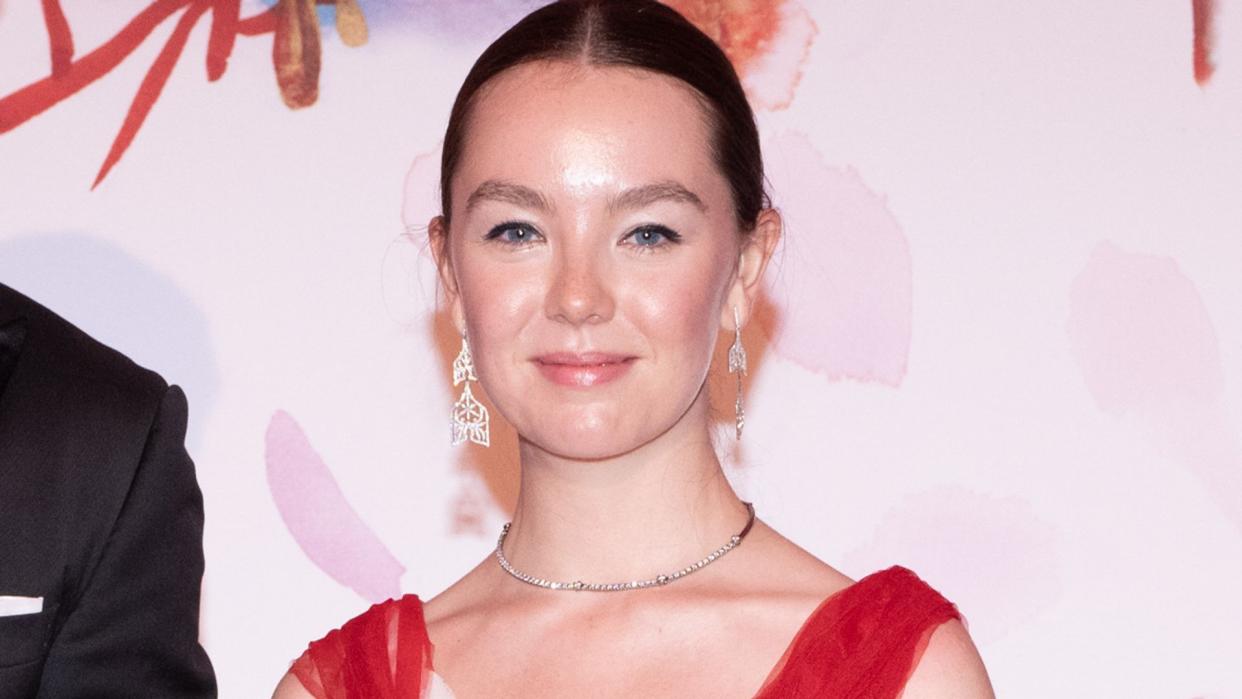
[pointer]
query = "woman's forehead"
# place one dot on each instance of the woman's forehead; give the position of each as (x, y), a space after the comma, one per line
(579, 126)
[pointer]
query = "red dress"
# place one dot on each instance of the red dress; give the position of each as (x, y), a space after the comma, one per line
(862, 641)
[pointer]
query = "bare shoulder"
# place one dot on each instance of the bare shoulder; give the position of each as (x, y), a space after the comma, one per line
(462, 597)
(950, 667)
(799, 568)
(291, 688)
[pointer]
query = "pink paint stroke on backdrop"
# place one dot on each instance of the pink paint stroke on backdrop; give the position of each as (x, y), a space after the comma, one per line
(993, 556)
(1149, 354)
(321, 520)
(842, 281)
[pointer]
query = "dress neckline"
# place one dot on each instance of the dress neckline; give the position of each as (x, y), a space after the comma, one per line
(773, 674)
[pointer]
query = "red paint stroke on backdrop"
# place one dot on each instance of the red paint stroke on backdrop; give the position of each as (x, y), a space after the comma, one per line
(222, 37)
(60, 39)
(150, 89)
(1204, 16)
(321, 520)
(68, 76)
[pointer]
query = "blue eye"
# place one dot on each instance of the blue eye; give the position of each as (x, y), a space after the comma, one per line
(653, 236)
(513, 233)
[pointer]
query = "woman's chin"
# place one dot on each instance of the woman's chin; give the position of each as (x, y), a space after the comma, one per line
(587, 444)
(596, 431)
(585, 448)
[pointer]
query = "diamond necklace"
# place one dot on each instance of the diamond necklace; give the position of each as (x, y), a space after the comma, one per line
(658, 580)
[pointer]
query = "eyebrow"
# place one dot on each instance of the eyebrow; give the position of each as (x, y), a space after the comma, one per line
(632, 198)
(499, 190)
(638, 197)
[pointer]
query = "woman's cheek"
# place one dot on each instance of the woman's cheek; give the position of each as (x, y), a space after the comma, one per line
(674, 319)
(494, 293)
(489, 305)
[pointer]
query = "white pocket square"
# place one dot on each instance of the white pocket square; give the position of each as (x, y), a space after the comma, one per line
(12, 605)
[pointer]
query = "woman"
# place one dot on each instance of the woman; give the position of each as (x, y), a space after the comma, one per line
(603, 221)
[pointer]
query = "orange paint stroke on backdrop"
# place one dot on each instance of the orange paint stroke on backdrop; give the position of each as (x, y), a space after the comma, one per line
(1204, 16)
(296, 52)
(295, 56)
(767, 41)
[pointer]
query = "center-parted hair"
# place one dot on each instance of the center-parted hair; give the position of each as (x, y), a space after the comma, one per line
(641, 34)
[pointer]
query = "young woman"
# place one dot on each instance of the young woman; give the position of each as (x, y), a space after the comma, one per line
(603, 221)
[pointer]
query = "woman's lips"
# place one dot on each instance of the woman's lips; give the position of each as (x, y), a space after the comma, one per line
(587, 369)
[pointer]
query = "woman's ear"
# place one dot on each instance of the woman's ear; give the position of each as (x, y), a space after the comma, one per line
(753, 259)
(438, 235)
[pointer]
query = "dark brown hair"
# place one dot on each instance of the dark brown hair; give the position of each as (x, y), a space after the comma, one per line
(640, 34)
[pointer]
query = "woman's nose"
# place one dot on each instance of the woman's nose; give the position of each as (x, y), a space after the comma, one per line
(578, 293)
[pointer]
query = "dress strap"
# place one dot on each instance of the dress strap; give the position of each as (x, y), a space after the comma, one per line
(863, 641)
(382, 653)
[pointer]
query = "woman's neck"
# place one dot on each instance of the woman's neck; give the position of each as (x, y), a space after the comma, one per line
(647, 512)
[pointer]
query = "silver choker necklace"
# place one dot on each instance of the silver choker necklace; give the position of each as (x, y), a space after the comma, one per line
(658, 580)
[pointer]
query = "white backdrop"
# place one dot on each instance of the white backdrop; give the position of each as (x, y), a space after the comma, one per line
(1003, 346)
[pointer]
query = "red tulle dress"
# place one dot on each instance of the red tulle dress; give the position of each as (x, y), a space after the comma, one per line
(862, 641)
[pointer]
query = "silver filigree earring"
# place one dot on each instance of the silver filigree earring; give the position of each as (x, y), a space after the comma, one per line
(470, 420)
(737, 365)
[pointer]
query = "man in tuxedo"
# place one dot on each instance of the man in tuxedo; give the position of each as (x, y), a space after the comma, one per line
(101, 520)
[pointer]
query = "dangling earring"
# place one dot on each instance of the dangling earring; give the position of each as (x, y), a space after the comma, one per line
(737, 365)
(470, 421)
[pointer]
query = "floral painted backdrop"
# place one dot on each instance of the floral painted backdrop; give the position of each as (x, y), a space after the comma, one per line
(1002, 344)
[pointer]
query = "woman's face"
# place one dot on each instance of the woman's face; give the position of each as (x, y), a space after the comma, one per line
(594, 254)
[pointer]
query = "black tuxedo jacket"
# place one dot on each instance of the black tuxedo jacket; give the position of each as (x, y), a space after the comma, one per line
(100, 516)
